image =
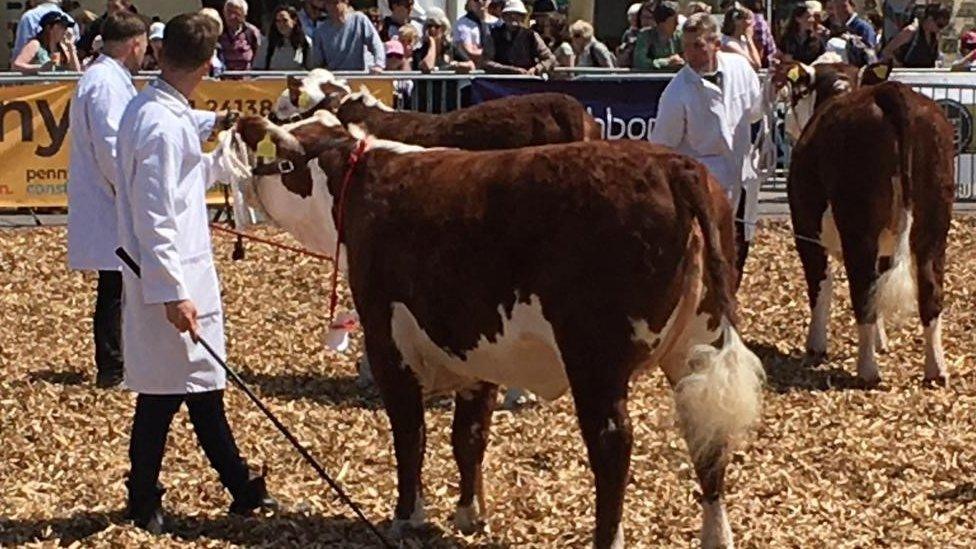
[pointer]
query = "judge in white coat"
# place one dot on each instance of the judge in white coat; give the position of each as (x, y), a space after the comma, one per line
(706, 112)
(163, 225)
(96, 108)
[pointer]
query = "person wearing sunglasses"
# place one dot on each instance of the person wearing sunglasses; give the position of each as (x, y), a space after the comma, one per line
(917, 45)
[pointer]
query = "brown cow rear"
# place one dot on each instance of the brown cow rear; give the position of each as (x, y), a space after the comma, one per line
(572, 266)
(872, 179)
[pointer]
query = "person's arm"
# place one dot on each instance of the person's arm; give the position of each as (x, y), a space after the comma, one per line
(23, 62)
(642, 59)
(152, 201)
(669, 125)
(26, 30)
(965, 63)
(904, 37)
(734, 47)
(601, 55)
(374, 43)
(103, 114)
(755, 111)
(260, 61)
(71, 60)
(545, 60)
(464, 39)
(428, 62)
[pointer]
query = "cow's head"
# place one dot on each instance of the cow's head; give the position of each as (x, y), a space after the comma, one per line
(355, 107)
(806, 87)
(318, 90)
(288, 183)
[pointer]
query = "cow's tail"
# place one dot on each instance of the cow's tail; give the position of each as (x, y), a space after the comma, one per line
(719, 401)
(895, 293)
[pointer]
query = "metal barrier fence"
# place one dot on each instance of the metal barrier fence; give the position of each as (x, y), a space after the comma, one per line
(443, 92)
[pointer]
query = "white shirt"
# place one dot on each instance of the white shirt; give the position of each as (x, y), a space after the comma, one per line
(99, 100)
(163, 225)
(712, 125)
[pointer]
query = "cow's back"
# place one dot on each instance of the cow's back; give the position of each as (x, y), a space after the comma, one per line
(506, 123)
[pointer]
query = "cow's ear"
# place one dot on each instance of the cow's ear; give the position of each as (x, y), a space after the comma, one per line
(333, 90)
(875, 73)
(252, 128)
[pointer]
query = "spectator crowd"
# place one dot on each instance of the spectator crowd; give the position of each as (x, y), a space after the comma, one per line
(507, 36)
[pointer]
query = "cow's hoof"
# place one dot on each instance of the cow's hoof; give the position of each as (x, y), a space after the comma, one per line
(365, 377)
(814, 358)
(934, 382)
(468, 519)
(869, 382)
(516, 399)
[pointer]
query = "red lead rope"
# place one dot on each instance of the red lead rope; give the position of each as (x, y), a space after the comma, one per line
(354, 157)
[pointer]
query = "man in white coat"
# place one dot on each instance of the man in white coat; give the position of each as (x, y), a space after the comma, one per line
(96, 108)
(163, 225)
(706, 112)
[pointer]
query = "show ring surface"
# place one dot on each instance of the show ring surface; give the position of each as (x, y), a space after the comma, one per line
(832, 465)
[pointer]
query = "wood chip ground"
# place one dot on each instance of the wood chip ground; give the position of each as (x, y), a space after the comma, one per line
(831, 466)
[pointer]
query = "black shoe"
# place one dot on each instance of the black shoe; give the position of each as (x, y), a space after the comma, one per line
(254, 496)
(108, 380)
(146, 510)
(154, 524)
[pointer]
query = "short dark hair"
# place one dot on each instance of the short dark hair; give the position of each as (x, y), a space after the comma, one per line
(190, 40)
(400, 2)
(664, 10)
(123, 26)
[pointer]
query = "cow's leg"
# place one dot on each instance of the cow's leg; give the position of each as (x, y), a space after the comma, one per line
(929, 249)
(600, 393)
(819, 280)
(716, 532)
(881, 335)
(469, 438)
(860, 260)
(403, 400)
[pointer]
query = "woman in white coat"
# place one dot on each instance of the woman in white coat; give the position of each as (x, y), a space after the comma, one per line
(163, 225)
(706, 112)
(99, 100)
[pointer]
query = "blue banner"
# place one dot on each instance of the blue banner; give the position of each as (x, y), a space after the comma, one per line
(625, 109)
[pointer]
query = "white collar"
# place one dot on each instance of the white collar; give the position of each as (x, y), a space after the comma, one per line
(170, 96)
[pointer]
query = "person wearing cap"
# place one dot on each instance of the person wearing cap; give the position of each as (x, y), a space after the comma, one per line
(99, 99)
(515, 49)
(151, 61)
(706, 112)
(967, 49)
(630, 35)
(30, 24)
(51, 49)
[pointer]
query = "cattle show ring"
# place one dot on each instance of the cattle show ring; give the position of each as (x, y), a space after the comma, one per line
(480, 319)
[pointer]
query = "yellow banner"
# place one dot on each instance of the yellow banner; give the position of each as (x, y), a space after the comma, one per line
(35, 137)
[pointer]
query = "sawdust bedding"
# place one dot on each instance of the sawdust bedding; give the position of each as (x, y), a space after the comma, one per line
(831, 465)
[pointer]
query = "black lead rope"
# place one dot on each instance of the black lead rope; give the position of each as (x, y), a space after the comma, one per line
(127, 259)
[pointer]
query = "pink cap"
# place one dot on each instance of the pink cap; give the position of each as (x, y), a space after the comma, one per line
(394, 47)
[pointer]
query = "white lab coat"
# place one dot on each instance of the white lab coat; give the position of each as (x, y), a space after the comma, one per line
(712, 125)
(96, 108)
(163, 225)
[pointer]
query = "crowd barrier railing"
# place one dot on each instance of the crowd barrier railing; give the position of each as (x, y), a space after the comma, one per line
(41, 161)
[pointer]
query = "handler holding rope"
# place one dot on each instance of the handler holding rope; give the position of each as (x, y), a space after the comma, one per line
(162, 213)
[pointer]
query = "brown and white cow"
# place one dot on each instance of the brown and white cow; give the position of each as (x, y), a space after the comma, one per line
(506, 123)
(871, 183)
(564, 267)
